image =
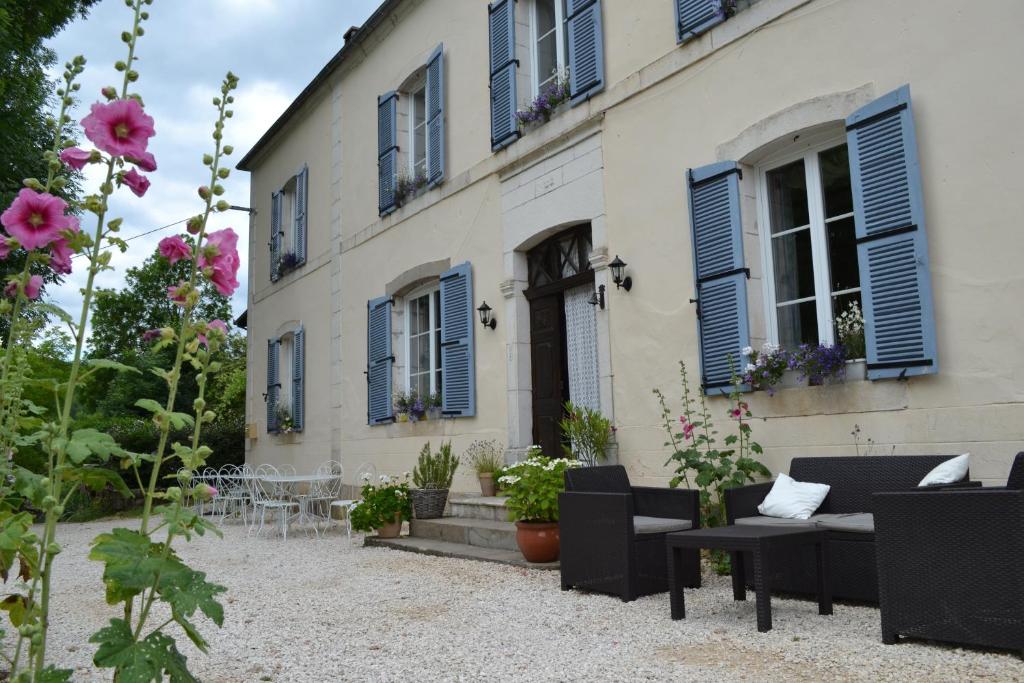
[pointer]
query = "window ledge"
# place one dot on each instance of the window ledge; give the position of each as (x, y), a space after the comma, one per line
(852, 396)
(441, 427)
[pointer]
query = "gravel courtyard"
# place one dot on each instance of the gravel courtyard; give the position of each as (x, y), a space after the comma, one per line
(309, 610)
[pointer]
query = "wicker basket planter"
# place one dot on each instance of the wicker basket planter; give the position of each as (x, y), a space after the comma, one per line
(429, 503)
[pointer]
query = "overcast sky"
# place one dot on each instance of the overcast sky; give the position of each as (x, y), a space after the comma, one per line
(274, 47)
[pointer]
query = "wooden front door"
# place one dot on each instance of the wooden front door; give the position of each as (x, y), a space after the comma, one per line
(549, 370)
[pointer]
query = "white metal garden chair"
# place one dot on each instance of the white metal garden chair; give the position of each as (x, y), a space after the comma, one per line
(270, 497)
(367, 472)
(233, 492)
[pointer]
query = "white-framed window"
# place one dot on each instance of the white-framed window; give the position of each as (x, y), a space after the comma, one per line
(288, 204)
(809, 248)
(423, 341)
(418, 132)
(547, 42)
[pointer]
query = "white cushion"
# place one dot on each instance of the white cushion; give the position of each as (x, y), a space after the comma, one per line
(948, 472)
(792, 499)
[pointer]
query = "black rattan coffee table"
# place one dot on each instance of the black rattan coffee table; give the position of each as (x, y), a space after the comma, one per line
(762, 542)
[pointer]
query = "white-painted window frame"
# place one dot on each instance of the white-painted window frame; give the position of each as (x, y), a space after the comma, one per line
(411, 119)
(806, 149)
(286, 369)
(561, 47)
(435, 323)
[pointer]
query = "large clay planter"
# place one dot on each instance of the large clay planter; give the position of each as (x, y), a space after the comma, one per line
(487, 487)
(538, 541)
(391, 530)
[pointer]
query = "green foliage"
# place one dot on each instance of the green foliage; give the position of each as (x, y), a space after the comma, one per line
(435, 471)
(486, 457)
(695, 451)
(588, 433)
(380, 503)
(533, 486)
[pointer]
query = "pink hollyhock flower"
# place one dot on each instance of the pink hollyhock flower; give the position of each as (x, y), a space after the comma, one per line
(136, 182)
(151, 335)
(176, 293)
(219, 260)
(218, 325)
(75, 158)
(11, 290)
(688, 430)
(5, 247)
(205, 492)
(33, 286)
(60, 251)
(146, 162)
(34, 218)
(735, 413)
(174, 249)
(120, 128)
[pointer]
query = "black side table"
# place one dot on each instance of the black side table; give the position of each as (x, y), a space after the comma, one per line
(761, 542)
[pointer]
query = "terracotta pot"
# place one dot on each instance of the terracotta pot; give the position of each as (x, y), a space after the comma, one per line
(538, 541)
(487, 487)
(391, 530)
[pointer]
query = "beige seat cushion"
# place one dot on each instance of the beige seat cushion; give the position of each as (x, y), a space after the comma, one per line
(761, 520)
(659, 525)
(859, 522)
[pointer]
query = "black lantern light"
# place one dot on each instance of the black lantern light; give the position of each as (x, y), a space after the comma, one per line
(485, 316)
(617, 266)
(597, 298)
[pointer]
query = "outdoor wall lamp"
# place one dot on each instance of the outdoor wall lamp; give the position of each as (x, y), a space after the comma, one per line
(617, 266)
(485, 316)
(597, 298)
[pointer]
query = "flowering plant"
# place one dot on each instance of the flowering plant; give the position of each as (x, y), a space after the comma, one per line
(381, 503)
(766, 367)
(694, 449)
(285, 422)
(818, 363)
(140, 568)
(550, 97)
(850, 330)
(287, 262)
(588, 433)
(533, 486)
(407, 186)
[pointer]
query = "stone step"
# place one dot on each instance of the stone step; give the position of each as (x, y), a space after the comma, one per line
(479, 507)
(430, 546)
(483, 533)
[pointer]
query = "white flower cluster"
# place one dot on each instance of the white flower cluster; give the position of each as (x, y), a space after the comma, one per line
(509, 479)
(850, 322)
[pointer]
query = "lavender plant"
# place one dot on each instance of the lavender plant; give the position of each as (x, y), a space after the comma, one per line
(550, 97)
(139, 569)
(819, 363)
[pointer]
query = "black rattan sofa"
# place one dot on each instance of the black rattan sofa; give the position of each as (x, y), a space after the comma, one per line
(950, 564)
(845, 514)
(613, 534)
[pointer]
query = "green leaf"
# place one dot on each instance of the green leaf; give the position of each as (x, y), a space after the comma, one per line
(30, 485)
(181, 420)
(97, 479)
(15, 605)
(86, 442)
(139, 662)
(55, 311)
(132, 562)
(187, 590)
(52, 674)
(150, 405)
(105, 364)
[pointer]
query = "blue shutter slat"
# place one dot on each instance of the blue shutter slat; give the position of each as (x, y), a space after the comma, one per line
(892, 245)
(298, 379)
(503, 65)
(301, 213)
(586, 50)
(379, 360)
(435, 116)
(721, 277)
(273, 383)
(458, 366)
(694, 17)
(387, 151)
(275, 234)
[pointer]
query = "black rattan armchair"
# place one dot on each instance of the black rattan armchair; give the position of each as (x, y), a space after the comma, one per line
(613, 534)
(949, 565)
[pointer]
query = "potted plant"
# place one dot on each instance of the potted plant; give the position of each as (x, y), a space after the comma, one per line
(850, 332)
(487, 459)
(417, 408)
(433, 478)
(533, 486)
(588, 433)
(765, 368)
(401, 403)
(285, 423)
(819, 364)
(383, 507)
(434, 404)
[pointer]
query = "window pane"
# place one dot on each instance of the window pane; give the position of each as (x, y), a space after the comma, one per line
(794, 266)
(798, 324)
(787, 197)
(545, 16)
(414, 317)
(419, 138)
(421, 385)
(835, 181)
(842, 254)
(414, 355)
(423, 304)
(547, 57)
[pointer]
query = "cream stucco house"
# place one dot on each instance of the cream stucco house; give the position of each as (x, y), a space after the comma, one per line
(760, 163)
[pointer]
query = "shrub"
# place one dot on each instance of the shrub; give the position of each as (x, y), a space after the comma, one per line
(380, 503)
(588, 432)
(486, 457)
(435, 471)
(533, 486)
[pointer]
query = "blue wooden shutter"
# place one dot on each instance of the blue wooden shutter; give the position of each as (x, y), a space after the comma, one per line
(719, 271)
(458, 371)
(379, 360)
(273, 382)
(694, 17)
(435, 116)
(502, 31)
(586, 49)
(892, 248)
(275, 235)
(387, 151)
(301, 214)
(298, 379)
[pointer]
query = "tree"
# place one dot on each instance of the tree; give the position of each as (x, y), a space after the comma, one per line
(26, 100)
